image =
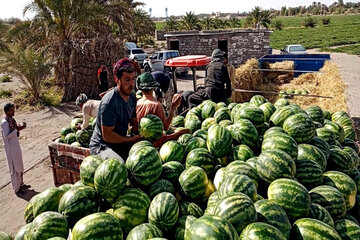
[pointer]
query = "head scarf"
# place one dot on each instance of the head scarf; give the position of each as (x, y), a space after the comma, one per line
(146, 82)
(217, 56)
(82, 98)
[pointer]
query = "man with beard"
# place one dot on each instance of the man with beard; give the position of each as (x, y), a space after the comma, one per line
(117, 109)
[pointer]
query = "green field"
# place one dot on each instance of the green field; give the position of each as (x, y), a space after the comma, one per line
(352, 49)
(343, 29)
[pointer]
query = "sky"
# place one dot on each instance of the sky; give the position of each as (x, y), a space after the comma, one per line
(14, 8)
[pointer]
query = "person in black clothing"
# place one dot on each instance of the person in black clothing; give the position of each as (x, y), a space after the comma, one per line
(103, 79)
(217, 82)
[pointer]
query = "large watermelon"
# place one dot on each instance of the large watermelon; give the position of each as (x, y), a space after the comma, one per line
(178, 121)
(219, 141)
(194, 111)
(70, 138)
(20, 235)
(171, 171)
(322, 145)
(202, 158)
(337, 130)
(193, 182)
(160, 186)
(339, 115)
(151, 127)
(310, 152)
(78, 202)
(268, 108)
(183, 139)
(141, 144)
(316, 114)
(47, 200)
(320, 213)
(88, 168)
(171, 151)
(182, 224)
(190, 208)
(251, 113)
(201, 133)
(340, 160)
(110, 178)
(326, 135)
(239, 167)
(97, 226)
(350, 132)
(281, 141)
(65, 131)
(144, 231)
(300, 127)
(222, 114)
(257, 100)
(238, 183)
(259, 230)
(164, 211)
(83, 136)
(307, 228)
(241, 152)
(347, 230)
(144, 165)
(207, 123)
(308, 173)
(291, 196)
(273, 130)
(244, 132)
(281, 102)
(281, 114)
(208, 109)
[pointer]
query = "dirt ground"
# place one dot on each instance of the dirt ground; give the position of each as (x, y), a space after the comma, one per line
(45, 124)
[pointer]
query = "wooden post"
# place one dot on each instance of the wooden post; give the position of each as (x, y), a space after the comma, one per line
(194, 77)
(174, 79)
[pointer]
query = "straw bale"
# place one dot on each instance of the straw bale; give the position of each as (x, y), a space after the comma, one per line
(285, 65)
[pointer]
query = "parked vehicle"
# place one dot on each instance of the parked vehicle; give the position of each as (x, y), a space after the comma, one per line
(130, 45)
(137, 54)
(157, 62)
(293, 49)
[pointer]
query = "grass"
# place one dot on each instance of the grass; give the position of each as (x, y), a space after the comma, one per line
(5, 78)
(5, 93)
(52, 96)
(352, 49)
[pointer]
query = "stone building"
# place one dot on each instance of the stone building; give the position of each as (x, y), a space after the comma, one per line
(240, 44)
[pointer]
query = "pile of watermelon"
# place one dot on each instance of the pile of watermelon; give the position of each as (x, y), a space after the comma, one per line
(78, 138)
(254, 170)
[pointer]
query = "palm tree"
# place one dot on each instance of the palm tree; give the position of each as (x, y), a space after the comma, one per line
(3, 31)
(143, 25)
(234, 22)
(258, 17)
(221, 24)
(171, 24)
(191, 22)
(207, 23)
(265, 18)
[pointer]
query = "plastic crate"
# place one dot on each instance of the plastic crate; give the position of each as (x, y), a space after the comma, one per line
(65, 162)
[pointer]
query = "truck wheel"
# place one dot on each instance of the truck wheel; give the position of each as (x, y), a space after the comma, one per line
(147, 68)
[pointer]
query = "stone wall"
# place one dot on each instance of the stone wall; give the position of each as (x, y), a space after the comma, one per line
(242, 44)
(159, 35)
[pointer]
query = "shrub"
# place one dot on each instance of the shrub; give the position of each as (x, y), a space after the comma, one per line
(325, 21)
(310, 22)
(5, 93)
(5, 78)
(277, 25)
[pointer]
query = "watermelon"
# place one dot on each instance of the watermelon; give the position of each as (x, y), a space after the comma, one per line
(178, 121)
(161, 186)
(207, 123)
(78, 202)
(221, 104)
(330, 198)
(253, 114)
(219, 141)
(144, 166)
(193, 182)
(238, 183)
(171, 151)
(307, 228)
(260, 230)
(200, 133)
(353, 155)
(76, 144)
(320, 213)
(351, 143)
(257, 100)
(262, 129)
(183, 139)
(59, 140)
(337, 130)
(291, 196)
(97, 226)
(20, 235)
(234, 110)
(338, 115)
(171, 171)
(244, 132)
(240, 167)
(355, 176)
(225, 123)
(208, 109)
(274, 164)
(327, 115)
(88, 168)
(350, 132)
(241, 152)
(222, 114)
(143, 143)
(182, 224)
(211, 227)
(273, 130)
(347, 230)
(322, 145)
(70, 138)
(47, 225)
(190, 208)
(202, 158)
(195, 142)
(65, 131)
(5, 236)
(144, 231)
(310, 152)
(351, 218)
(231, 105)
(131, 208)
(213, 199)
(316, 114)
(326, 135)
(344, 184)
(164, 211)
(151, 127)
(268, 108)
(300, 127)
(272, 213)
(308, 173)
(110, 178)
(75, 122)
(281, 141)
(281, 114)
(237, 208)
(281, 102)
(340, 160)
(219, 178)
(47, 200)
(83, 136)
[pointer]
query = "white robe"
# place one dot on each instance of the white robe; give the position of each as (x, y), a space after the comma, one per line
(13, 154)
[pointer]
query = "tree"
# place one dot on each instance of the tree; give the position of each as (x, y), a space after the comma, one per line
(191, 22)
(208, 23)
(277, 25)
(3, 31)
(143, 25)
(221, 24)
(234, 22)
(171, 24)
(258, 17)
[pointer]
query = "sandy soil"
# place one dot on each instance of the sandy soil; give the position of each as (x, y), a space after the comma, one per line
(45, 124)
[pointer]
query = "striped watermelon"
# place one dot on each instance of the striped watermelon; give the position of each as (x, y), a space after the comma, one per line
(178, 121)
(272, 213)
(239, 167)
(96, 226)
(262, 129)
(59, 140)
(201, 157)
(308, 173)
(211, 227)
(274, 164)
(207, 123)
(281, 114)
(350, 132)
(65, 131)
(281, 102)
(160, 186)
(251, 113)
(5, 236)
(241, 152)
(322, 145)
(151, 127)
(344, 184)
(337, 130)
(76, 144)
(171, 171)
(347, 230)
(182, 224)
(300, 127)
(355, 176)
(291, 196)
(222, 114)
(83, 136)
(316, 114)
(260, 230)
(320, 213)
(344, 121)
(208, 109)
(340, 160)
(144, 231)
(351, 218)
(237, 208)
(327, 115)
(351, 143)
(171, 151)
(281, 141)
(268, 108)
(326, 135)
(110, 178)
(310, 152)
(234, 110)
(47, 200)
(88, 168)
(194, 111)
(144, 166)
(47, 225)
(219, 141)
(339, 114)
(257, 100)
(225, 123)
(273, 130)
(231, 105)
(238, 183)
(252, 162)
(221, 104)
(77, 203)
(195, 142)
(244, 132)
(183, 139)
(20, 235)
(193, 182)
(353, 155)
(70, 138)
(330, 198)
(213, 199)
(164, 211)
(307, 228)
(219, 178)
(190, 208)
(141, 144)
(131, 208)
(200, 133)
